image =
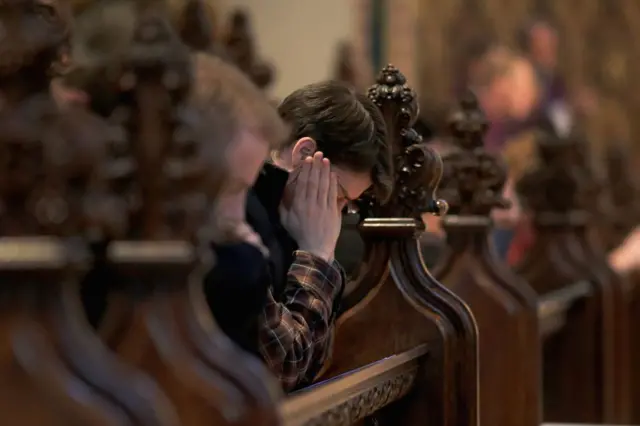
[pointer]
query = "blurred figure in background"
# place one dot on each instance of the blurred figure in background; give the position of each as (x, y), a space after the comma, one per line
(539, 43)
(519, 151)
(488, 77)
(506, 91)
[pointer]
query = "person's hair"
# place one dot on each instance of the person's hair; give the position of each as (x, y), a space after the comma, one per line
(228, 102)
(478, 48)
(346, 126)
(523, 35)
(496, 63)
(232, 102)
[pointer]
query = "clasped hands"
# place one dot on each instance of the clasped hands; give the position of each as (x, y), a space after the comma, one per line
(308, 211)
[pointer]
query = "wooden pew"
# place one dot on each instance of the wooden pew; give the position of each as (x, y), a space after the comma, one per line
(353, 396)
(584, 361)
(393, 307)
(156, 250)
(504, 306)
(619, 212)
(54, 369)
(240, 47)
(196, 29)
(622, 216)
(594, 259)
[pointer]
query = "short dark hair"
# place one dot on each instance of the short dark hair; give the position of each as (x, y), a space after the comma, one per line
(347, 127)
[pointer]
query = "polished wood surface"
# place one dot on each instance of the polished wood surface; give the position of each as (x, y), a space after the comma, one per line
(504, 305)
(95, 199)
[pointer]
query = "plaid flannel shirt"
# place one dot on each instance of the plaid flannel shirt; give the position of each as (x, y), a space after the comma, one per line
(296, 333)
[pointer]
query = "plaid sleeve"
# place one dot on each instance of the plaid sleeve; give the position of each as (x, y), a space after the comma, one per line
(295, 332)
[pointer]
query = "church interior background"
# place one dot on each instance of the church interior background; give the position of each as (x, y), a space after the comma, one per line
(426, 39)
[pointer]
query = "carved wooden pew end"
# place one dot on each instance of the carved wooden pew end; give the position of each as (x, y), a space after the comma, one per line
(395, 295)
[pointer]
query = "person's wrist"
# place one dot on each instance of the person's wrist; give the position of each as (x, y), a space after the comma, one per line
(324, 254)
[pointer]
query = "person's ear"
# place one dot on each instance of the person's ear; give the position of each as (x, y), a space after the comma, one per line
(303, 148)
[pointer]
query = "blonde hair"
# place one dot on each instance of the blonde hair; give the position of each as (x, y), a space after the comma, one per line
(496, 63)
(227, 103)
(232, 102)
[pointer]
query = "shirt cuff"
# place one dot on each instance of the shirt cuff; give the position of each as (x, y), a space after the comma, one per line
(330, 277)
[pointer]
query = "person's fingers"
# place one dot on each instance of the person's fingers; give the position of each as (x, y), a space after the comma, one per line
(325, 182)
(314, 178)
(300, 194)
(332, 194)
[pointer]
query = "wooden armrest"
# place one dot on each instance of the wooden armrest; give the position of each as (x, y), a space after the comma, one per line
(553, 306)
(350, 397)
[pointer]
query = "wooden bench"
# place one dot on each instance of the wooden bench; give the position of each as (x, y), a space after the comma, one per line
(407, 349)
(585, 362)
(504, 306)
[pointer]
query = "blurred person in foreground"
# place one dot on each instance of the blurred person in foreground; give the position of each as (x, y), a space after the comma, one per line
(275, 286)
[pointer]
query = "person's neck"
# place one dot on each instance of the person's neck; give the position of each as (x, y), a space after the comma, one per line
(278, 161)
(270, 186)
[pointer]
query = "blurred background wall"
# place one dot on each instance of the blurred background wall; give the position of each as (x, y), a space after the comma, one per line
(427, 40)
(298, 36)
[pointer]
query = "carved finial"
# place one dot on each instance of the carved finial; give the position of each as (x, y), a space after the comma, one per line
(37, 159)
(241, 49)
(32, 36)
(197, 28)
(418, 168)
(397, 101)
(623, 183)
(473, 179)
(152, 149)
(468, 125)
(552, 190)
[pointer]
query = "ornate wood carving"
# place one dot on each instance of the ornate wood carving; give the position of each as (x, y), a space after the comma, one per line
(197, 29)
(503, 304)
(621, 213)
(241, 49)
(581, 382)
(398, 297)
(352, 397)
(56, 372)
(156, 194)
(593, 258)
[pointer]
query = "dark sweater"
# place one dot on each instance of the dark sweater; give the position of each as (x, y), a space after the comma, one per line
(236, 288)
